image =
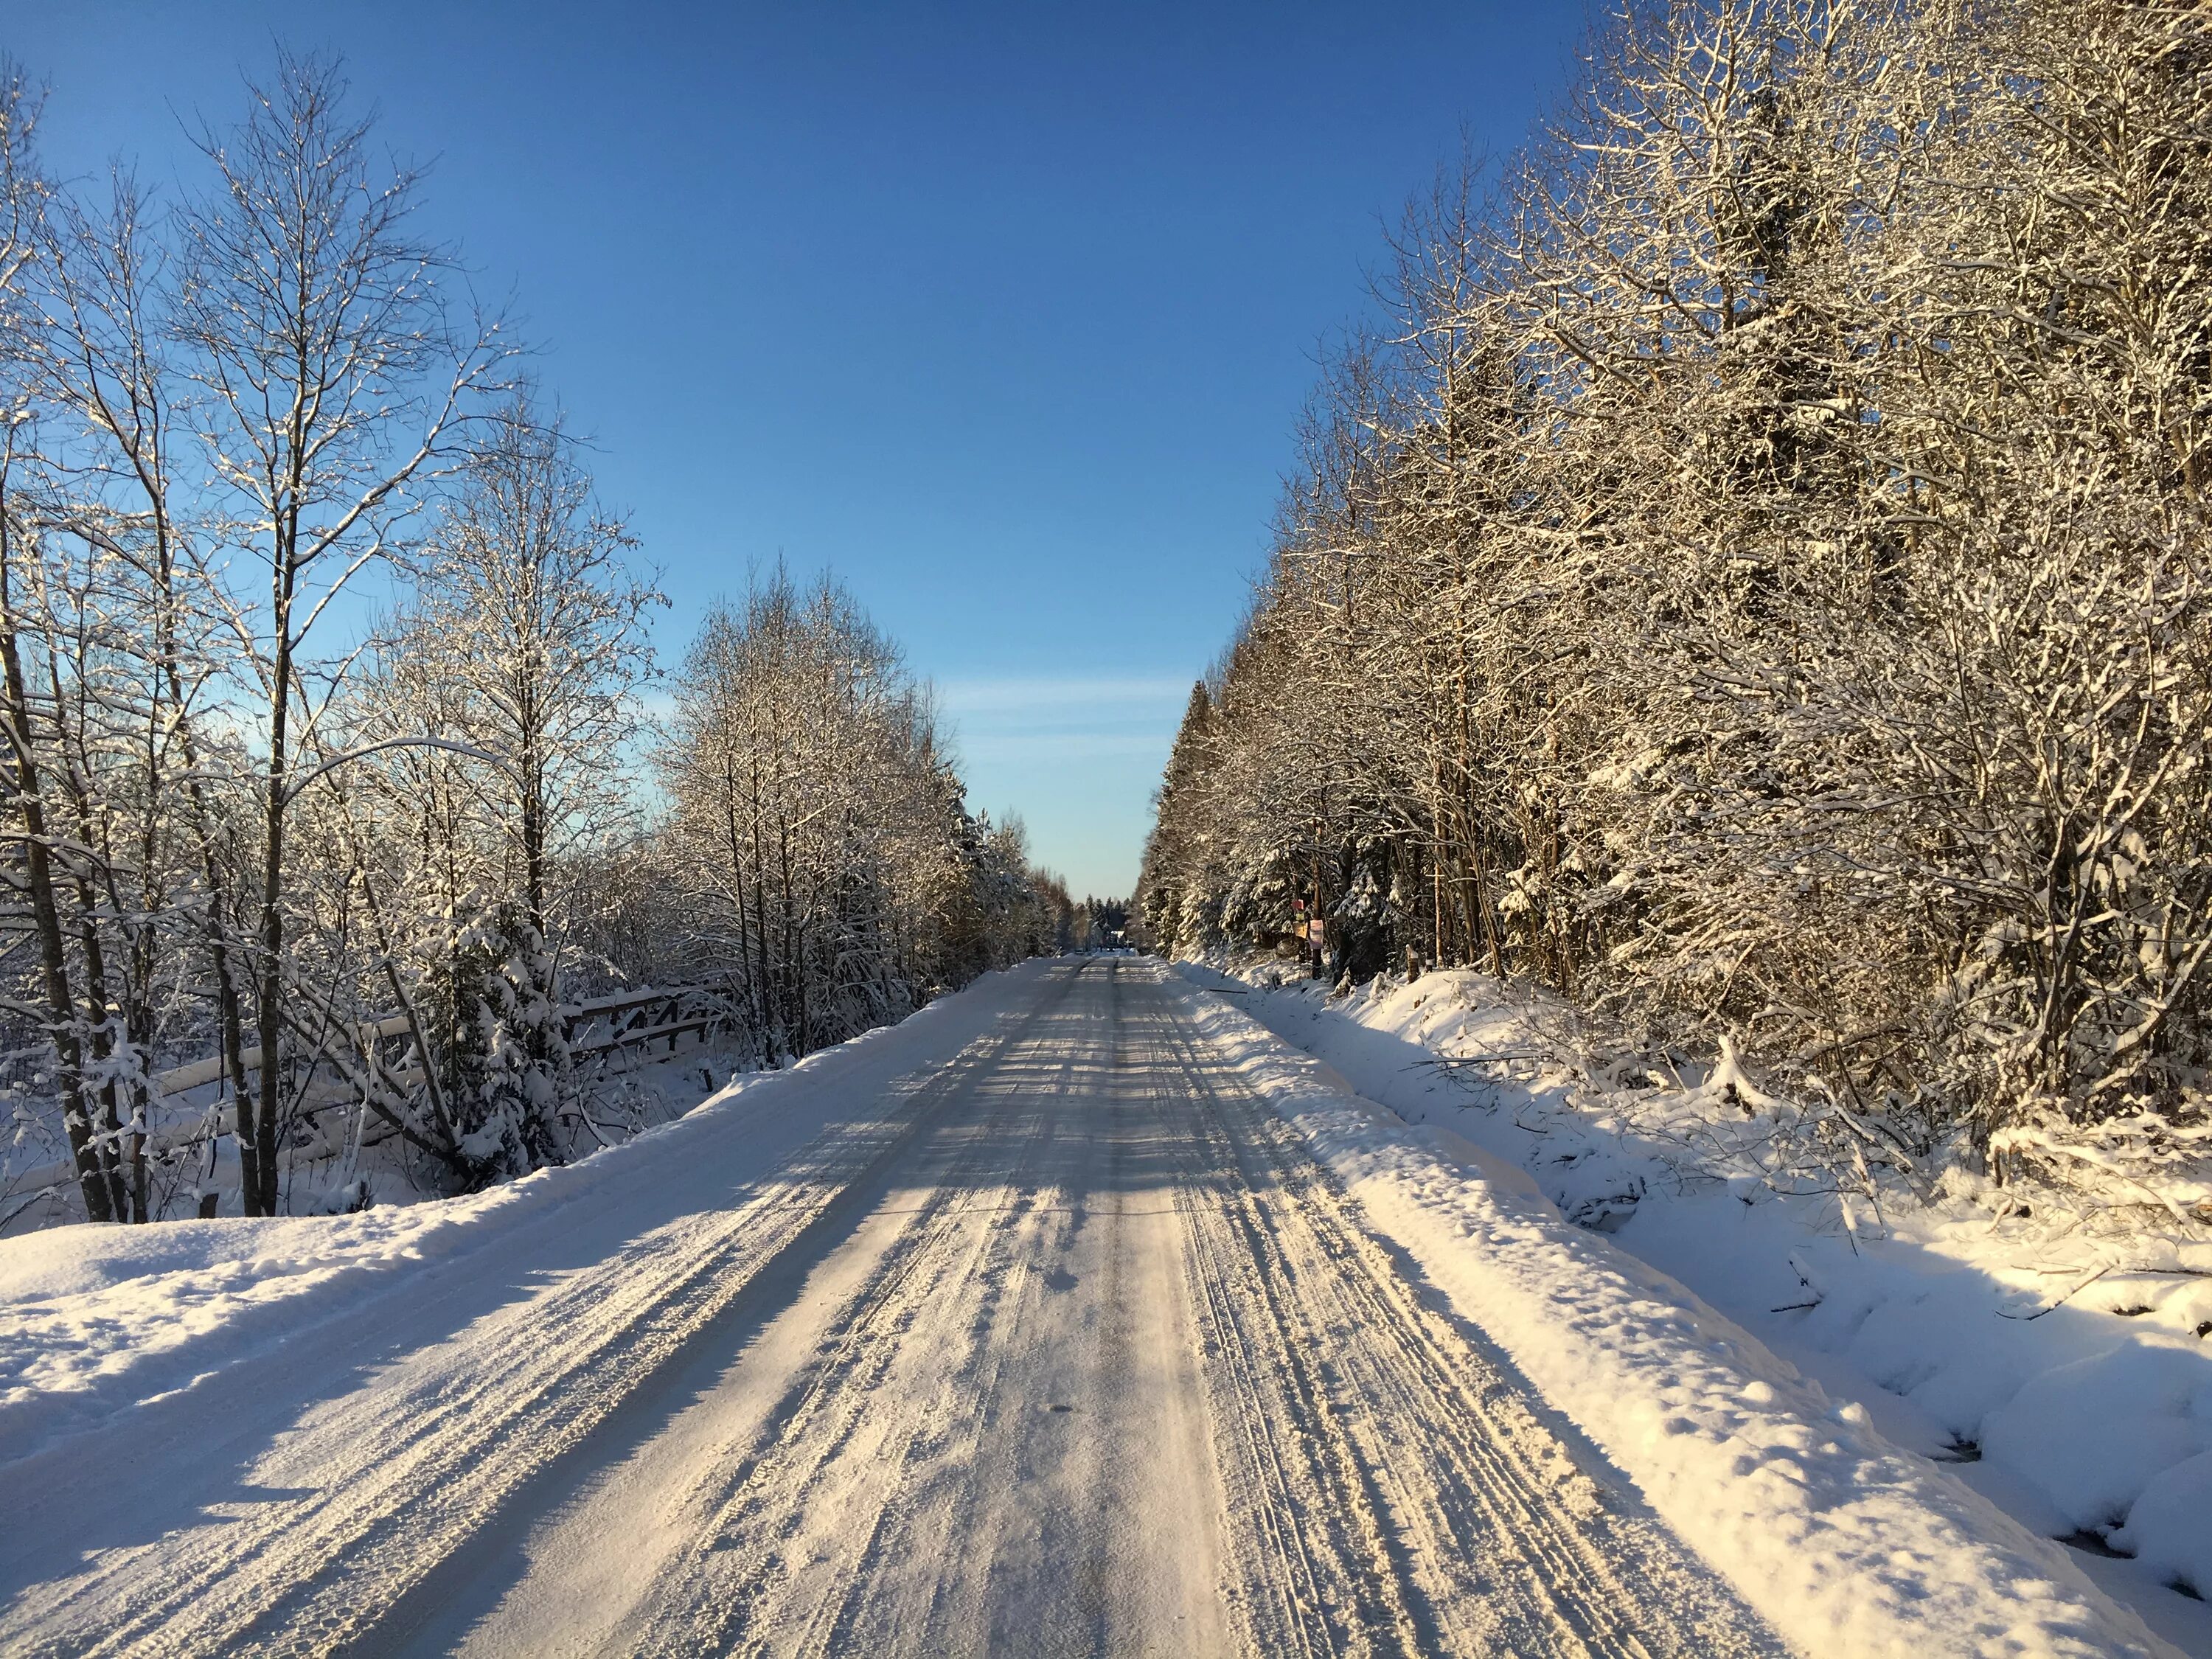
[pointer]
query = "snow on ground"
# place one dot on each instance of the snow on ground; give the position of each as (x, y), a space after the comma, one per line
(417, 1342)
(2061, 1378)
(1054, 1340)
(94, 1320)
(337, 1150)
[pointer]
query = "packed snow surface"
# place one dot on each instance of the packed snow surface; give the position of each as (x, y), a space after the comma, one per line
(2060, 1374)
(1077, 1314)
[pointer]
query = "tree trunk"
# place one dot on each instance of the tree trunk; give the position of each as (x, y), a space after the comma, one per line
(94, 1179)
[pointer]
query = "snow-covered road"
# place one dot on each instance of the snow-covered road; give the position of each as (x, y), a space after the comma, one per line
(1060, 1342)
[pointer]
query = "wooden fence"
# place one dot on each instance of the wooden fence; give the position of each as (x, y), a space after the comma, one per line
(385, 1058)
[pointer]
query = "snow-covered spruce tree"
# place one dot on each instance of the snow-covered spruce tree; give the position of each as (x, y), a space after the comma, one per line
(499, 1047)
(1172, 850)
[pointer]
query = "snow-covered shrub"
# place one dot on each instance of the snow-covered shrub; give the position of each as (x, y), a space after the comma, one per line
(504, 1054)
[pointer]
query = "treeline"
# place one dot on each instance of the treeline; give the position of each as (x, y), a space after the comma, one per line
(1752, 577)
(816, 853)
(1096, 923)
(321, 726)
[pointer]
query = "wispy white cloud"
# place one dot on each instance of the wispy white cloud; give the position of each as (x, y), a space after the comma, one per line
(1040, 750)
(1023, 694)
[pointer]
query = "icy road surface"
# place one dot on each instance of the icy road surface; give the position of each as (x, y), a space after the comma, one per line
(1062, 1345)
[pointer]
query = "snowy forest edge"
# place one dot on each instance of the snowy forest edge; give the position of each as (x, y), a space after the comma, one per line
(326, 734)
(1749, 578)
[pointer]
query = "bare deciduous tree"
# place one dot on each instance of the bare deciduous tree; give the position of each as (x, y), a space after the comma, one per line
(339, 372)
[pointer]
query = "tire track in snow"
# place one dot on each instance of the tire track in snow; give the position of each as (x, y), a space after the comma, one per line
(828, 1449)
(1375, 1484)
(780, 1567)
(1073, 1348)
(404, 1469)
(1458, 1521)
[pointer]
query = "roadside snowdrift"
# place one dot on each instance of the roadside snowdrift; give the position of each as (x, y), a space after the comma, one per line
(94, 1320)
(2061, 1375)
(1846, 1543)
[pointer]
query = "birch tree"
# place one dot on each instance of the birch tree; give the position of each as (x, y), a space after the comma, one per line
(340, 369)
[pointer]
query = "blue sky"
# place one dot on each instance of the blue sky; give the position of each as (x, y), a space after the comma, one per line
(1002, 313)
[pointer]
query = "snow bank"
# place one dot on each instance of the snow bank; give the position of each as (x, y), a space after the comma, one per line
(1847, 1544)
(2063, 1375)
(93, 1318)
(96, 1319)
